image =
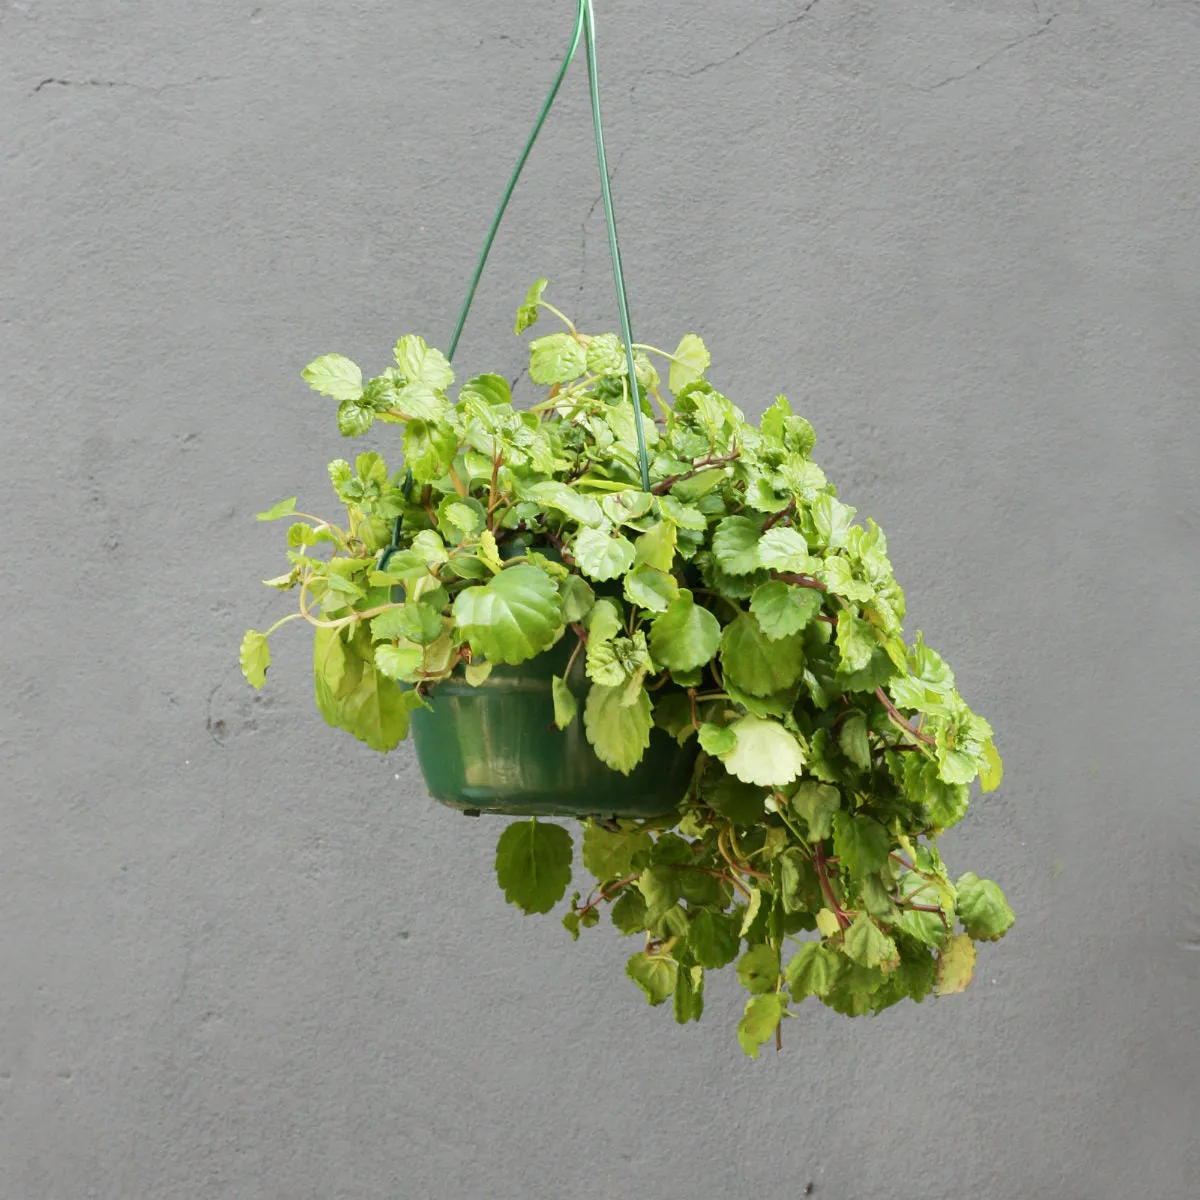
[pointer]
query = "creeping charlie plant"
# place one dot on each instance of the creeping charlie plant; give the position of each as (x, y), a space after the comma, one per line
(736, 602)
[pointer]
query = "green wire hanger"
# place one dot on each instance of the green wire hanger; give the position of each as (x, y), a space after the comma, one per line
(585, 24)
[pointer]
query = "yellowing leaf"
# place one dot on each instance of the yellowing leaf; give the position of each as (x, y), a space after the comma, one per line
(991, 771)
(255, 657)
(956, 965)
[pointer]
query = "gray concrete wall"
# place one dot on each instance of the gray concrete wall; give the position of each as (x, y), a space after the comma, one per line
(962, 234)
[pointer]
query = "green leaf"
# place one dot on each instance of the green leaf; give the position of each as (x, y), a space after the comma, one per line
(376, 711)
(686, 636)
(761, 1019)
(618, 732)
(783, 609)
(284, 508)
(831, 519)
(577, 598)
(558, 358)
(609, 854)
(867, 945)
(741, 803)
(654, 974)
(690, 361)
(852, 737)
(813, 970)
(420, 363)
(861, 843)
(816, 803)
(553, 494)
(713, 938)
(514, 616)
(333, 375)
(982, 908)
(255, 657)
(656, 547)
(354, 419)
(650, 588)
(991, 771)
(956, 965)
(717, 740)
(600, 556)
(689, 994)
(735, 545)
(856, 641)
(629, 911)
(533, 865)
(838, 577)
(757, 663)
(765, 754)
(527, 314)
(758, 969)
(399, 662)
(566, 707)
(784, 549)
(752, 910)
(606, 355)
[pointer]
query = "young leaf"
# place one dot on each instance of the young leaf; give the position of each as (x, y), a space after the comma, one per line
(533, 864)
(784, 549)
(527, 314)
(982, 908)
(856, 641)
(654, 974)
(284, 508)
(765, 754)
(255, 657)
(956, 965)
(690, 361)
(333, 375)
(516, 615)
(566, 707)
(420, 363)
(761, 1019)
(618, 732)
(558, 358)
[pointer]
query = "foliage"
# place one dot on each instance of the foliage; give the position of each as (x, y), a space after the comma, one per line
(737, 602)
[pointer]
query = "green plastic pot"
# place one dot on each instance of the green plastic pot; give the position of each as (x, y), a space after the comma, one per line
(494, 748)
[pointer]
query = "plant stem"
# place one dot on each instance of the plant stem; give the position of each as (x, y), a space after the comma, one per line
(561, 316)
(894, 713)
(701, 465)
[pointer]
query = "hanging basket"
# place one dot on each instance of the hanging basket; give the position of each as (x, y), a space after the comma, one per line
(495, 748)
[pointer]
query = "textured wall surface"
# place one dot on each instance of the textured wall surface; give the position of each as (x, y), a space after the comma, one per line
(241, 955)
